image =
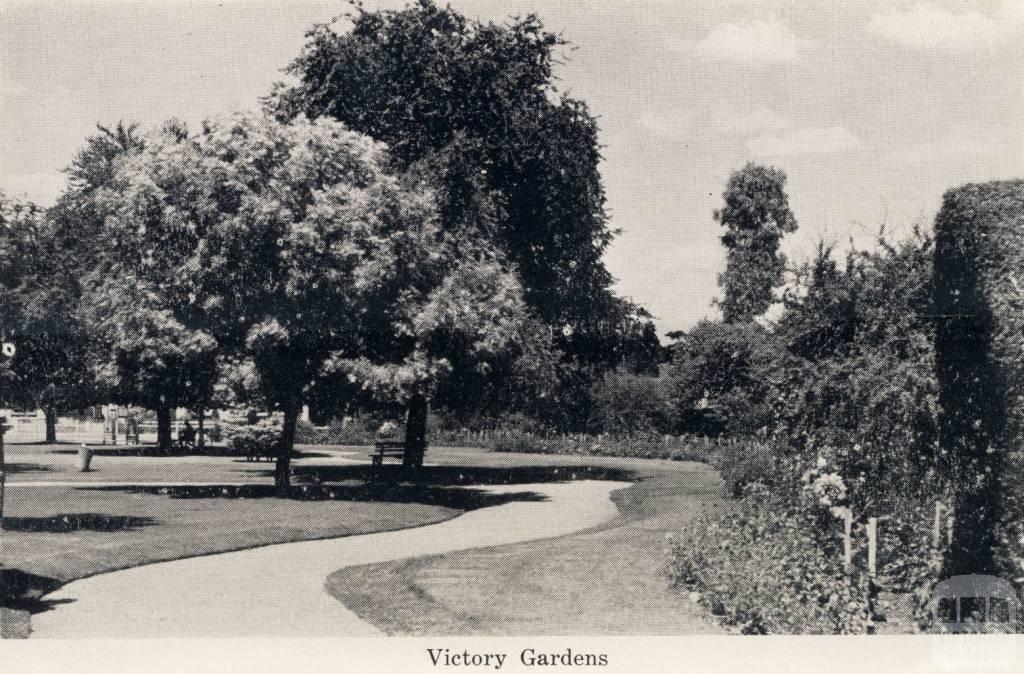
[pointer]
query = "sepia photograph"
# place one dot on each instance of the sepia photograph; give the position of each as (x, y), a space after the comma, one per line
(513, 334)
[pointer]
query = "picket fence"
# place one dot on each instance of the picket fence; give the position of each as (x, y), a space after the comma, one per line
(32, 429)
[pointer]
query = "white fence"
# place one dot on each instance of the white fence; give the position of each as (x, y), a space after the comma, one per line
(29, 429)
(33, 429)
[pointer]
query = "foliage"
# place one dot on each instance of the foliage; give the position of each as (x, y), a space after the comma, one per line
(755, 215)
(861, 390)
(52, 365)
(254, 244)
(364, 430)
(627, 404)
(978, 344)
(261, 438)
(770, 567)
(716, 451)
(722, 377)
(744, 463)
(471, 108)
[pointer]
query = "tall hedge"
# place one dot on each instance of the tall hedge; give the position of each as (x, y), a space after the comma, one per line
(979, 309)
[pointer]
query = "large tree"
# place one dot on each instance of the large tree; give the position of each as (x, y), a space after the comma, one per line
(292, 253)
(51, 369)
(474, 108)
(755, 216)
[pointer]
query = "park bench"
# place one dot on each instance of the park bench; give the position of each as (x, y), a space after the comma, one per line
(259, 453)
(388, 449)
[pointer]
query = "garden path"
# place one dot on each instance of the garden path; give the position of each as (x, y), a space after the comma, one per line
(278, 590)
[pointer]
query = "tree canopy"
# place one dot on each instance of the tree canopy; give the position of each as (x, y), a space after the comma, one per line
(294, 255)
(755, 215)
(473, 108)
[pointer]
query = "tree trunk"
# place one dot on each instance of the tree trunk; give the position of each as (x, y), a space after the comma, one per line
(164, 440)
(201, 439)
(416, 431)
(282, 470)
(51, 424)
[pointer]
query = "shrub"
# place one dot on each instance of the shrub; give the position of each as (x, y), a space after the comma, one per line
(261, 438)
(745, 463)
(643, 446)
(863, 387)
(979, 236)
(360, 431)
(626, 404)
(768, 568)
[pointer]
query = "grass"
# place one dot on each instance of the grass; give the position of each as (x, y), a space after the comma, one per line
(602, 581)
(599, 582)
(55, 534)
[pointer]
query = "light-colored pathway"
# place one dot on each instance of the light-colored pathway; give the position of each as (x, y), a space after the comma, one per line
(279, 590)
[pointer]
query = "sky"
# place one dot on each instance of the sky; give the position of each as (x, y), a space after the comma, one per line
(872, 108)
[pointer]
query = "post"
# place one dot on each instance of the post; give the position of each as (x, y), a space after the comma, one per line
(872, 531)
(3, 469)
(872, 546)
(847, 516)
(848, 538)
(937, 525)
(202, 427)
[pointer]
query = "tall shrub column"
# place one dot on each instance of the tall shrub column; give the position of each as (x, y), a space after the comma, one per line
(979, 279)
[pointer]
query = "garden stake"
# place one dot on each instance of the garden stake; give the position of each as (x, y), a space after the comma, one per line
(3, 469)
(847, 515)
(872, 531)
(872, 545)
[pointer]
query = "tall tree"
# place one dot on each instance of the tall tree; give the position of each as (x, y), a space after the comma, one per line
(291, 252)
(51, 369)
(755, 215)
(473, 107)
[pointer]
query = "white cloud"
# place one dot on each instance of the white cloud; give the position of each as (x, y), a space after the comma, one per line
(664, 123)
(759, 121)
(807, 141)
(750, 42)
(930, 25)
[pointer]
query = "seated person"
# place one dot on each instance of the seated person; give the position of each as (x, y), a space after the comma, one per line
(187, 435)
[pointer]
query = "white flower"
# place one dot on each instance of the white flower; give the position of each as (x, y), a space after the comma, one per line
(829, 489)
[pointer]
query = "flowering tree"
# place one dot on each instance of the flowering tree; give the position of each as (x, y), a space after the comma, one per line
(461, 329)
(289, 253)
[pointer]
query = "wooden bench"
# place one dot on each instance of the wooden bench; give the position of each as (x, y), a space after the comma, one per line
(255, 454)
(389, 449)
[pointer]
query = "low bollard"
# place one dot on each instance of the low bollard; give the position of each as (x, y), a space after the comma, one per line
(84, 458)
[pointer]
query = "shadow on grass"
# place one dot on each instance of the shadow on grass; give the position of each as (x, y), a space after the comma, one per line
(462, 476)
(21, 591)
(149, 451)
(443, 496)
(11, 468)
(72, 522)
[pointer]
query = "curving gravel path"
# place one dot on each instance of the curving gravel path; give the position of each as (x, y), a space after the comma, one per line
(278, 590)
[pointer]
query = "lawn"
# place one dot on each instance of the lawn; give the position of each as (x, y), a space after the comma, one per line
(54, 533)
(70, 525)
(600, 582)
